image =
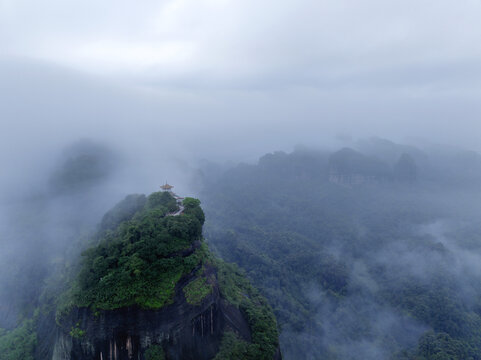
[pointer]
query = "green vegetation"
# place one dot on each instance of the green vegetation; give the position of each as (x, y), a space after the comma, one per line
(162, 200)
(123, 211)
(19, 344)
(191, 203)
(154, 352)
(441, 346)
(348, 162)
(353, 272)
(197, 290)
(192, 207)
(236, 289)
(142, 253)
(233, 348)
(123, 269)
(76, 331)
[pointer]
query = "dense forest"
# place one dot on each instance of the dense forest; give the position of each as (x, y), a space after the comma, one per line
(371, 251)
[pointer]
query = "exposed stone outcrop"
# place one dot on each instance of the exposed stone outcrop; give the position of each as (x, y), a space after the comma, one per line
(185, 331)
(349, 167)
(204, 300)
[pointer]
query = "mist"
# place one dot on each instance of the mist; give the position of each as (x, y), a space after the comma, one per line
(98, 101)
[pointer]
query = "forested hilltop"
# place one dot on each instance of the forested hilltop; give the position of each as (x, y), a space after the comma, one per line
(371, 251)
(147, 287)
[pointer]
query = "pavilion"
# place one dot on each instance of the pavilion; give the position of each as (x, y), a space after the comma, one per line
(166, 187)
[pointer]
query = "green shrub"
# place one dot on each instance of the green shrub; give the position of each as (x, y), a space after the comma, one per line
(236, 289)
(190, 203)
(139, 262)
(154, 352)
(76, 332)
(19, 344)
(197, 290)
(161, 200)
(233, 348)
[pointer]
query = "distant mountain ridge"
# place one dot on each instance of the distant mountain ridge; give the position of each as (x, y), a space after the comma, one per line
(369, 252)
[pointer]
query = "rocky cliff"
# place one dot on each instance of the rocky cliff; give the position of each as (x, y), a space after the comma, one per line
(150, 289)
(350, 167)
(184, 331)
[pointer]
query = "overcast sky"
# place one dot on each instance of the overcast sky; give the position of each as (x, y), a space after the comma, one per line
(240, 77)
(288, 42)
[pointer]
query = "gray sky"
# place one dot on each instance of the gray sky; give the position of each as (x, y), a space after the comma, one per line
(302, 42)
(240, 77)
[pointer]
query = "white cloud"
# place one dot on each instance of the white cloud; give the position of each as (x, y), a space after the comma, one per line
(222, 38)
(291, 68)
(106, 56)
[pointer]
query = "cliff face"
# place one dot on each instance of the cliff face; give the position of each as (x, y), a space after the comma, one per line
(151, 290)
(185, 331)
(349, 167)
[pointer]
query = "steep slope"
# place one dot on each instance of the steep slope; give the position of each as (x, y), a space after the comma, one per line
(148, 288)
